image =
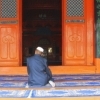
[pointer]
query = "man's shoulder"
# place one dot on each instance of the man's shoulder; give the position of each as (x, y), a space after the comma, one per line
(44, 59)
(30, 57)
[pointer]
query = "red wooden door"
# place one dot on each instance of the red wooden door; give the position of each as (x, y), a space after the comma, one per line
(10, 32)
(77, 32)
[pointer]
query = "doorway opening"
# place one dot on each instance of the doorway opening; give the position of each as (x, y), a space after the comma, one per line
(42, 26)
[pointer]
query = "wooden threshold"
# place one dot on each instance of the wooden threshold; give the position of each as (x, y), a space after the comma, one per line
(22, 70)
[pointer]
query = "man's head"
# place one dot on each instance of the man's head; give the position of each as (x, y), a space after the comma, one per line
(39, 50)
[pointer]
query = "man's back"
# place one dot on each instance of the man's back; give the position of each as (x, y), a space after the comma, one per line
(37, 66)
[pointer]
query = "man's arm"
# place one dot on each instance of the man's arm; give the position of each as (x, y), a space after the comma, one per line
(27, 66)
(48, 71)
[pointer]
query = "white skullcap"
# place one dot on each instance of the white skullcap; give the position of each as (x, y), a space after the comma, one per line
(40, 49)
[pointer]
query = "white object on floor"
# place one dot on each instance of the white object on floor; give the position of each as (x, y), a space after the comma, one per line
(30, 94)
(52, 83)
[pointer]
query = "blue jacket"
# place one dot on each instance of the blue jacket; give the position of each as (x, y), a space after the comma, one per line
(38, 72)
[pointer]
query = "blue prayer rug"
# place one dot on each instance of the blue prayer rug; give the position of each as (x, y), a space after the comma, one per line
(83, 85)
(14, 93)
(60, 80)
(66, 93)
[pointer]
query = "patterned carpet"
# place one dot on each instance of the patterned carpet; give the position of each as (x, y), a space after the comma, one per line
(66, 86)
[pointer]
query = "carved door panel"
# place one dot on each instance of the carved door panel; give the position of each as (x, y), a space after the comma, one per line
(77, 32)
(10, 33)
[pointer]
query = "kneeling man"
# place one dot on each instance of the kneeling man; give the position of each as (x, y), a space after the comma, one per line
(38, 72)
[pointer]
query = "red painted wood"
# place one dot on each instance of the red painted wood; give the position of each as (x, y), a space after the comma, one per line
(77, 37)
(10, 37)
